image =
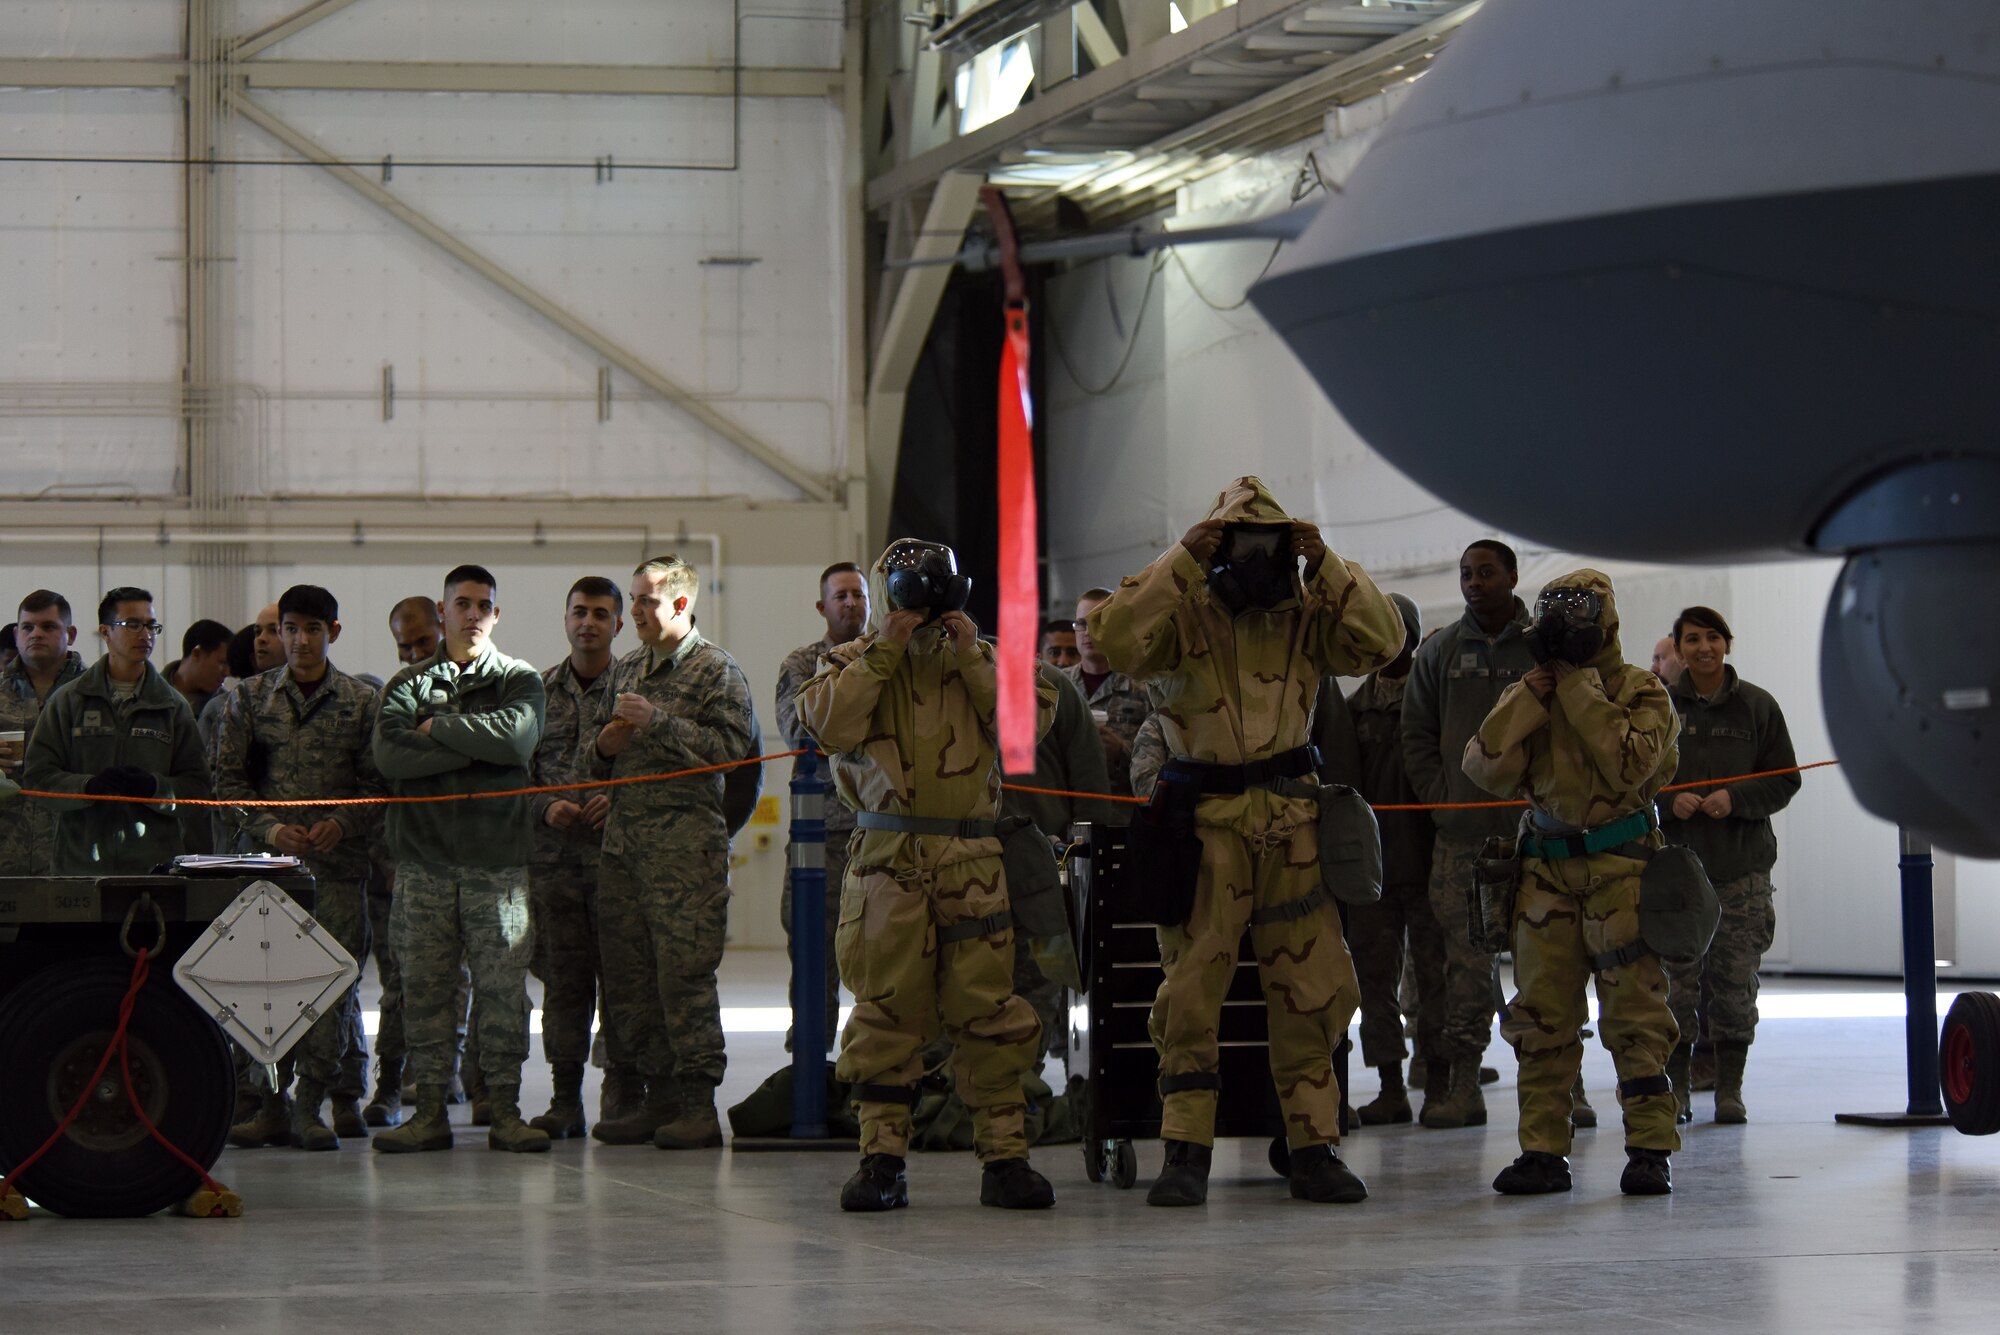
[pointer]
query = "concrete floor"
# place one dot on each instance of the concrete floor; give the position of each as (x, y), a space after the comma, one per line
(1789, 1224)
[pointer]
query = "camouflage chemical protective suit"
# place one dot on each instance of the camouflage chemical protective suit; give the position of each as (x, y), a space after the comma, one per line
(1600, 749)
(912, 731)
(1233, 689)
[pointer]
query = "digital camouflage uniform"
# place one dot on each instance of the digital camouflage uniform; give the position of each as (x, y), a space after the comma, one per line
(276, 742)
(663, 888)
(562, 871)
(1740, 730)
(913, 731)
(798, 668)
(85, 728)
(1149, 756)
(1455, 680)
(1231, 690)
(1600, 749)
(1070, 757)
(28, 827)
(1126, 707)
(462, 867)
(1379, 934)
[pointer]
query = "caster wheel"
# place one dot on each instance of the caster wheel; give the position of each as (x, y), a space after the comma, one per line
(1280, 1155)
(1093, 1159)
(1969, 1063)
(1125, 1166)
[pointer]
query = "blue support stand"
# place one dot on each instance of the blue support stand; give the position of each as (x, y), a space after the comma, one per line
(1920, 1023)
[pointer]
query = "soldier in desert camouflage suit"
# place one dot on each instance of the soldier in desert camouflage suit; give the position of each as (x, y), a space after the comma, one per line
(1235, 686)
(908, 714)
(297, 731)
(680, 702)
(1588, 745)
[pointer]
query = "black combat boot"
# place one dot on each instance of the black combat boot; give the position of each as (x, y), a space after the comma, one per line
(1646, 1173)
(1012, 1185)
(1392, 1105)
(1535, 1173)
(565, 1115)
(1183, 1179)
(1319, 1175)
(877, 1185)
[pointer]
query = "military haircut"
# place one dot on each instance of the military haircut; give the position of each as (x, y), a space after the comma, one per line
(681, 578)
(309, 602)
(1055, 627)
(1499, 549)
(1705, 618)
(43, 599)
(471, 574)
(596, 586)
(124, 593)
(417, 604)
(839, 568)
(1093, 595)
(204, 635)
(243, 651)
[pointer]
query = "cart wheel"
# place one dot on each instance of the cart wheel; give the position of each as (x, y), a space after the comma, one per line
(1280, 1155)
(1125, 1166)
(53, 1029)
(1969, 1063)
(1093, 1159)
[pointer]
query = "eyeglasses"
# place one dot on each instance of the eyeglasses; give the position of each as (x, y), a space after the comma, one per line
(150, 627)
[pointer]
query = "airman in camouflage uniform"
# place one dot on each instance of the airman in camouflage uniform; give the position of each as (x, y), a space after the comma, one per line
(562, 874)
(299, 731)
(1123, 702)
(843, 604)
(909, 715)
(1589, 746)
(43, 633)
(680, 702)
(1728, 727)
(463, 722)
(1236, 686)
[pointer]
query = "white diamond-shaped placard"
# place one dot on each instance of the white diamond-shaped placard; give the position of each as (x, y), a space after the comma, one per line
(265, 970)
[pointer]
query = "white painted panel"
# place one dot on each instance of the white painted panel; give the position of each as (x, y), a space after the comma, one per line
(99, 28)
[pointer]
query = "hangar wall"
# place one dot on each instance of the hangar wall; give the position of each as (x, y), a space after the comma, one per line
(1164, 384)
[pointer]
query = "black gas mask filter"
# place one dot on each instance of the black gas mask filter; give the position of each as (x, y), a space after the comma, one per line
(1566, 627)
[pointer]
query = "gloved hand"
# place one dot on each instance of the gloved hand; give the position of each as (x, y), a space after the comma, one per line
(122, 781)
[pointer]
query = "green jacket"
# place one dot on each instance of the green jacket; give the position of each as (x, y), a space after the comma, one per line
(1454, 683)
(487, 723)
(1069, 756)
(28, 827)
(1740, 731)
(83, 730)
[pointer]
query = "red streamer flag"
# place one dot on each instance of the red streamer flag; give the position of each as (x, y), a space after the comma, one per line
(1020, 586)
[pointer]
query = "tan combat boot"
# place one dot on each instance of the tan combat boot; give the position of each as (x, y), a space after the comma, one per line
(654, 1110)
(697, 1127)
(1392, 1105)
(1581, 1114)
(1730, 1059)
(430, 1129)
(386, 1108)
(1461, 1103)
(508, 1131)
(270, 1125)
(1680, 1076)
(565, 1115)
(308, 1132)
(622, 1094)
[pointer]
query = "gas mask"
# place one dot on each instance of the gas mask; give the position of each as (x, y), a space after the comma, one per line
(1254, 569)
(1566, 627)
(923, 577)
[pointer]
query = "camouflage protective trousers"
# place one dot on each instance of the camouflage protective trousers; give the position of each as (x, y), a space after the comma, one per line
(563, 904)
(443, 915)
(334, 1052)
(908, 984)
(1723, 983)
(1470, 986)
(1381, 936)
(661, 921)
(1565, 912)
(1307, 976)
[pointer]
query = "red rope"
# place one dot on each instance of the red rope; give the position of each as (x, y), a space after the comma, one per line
(141, 970)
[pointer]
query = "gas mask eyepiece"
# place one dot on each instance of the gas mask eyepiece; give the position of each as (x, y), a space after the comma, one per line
(923, 577)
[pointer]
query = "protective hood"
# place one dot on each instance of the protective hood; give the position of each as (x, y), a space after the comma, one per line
(1610, 655)
(894, 557)
(1254, 571)
(1413, 620)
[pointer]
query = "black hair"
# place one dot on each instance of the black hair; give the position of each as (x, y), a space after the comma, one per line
(470, 574)
(840, 568)
(43, 599)
(204, 635)
(124, 593)
(1707, 618)
(309, 602)
(596, 586)
(1499, 549)
(243, 652)
(1057, 627)
(7, 636)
